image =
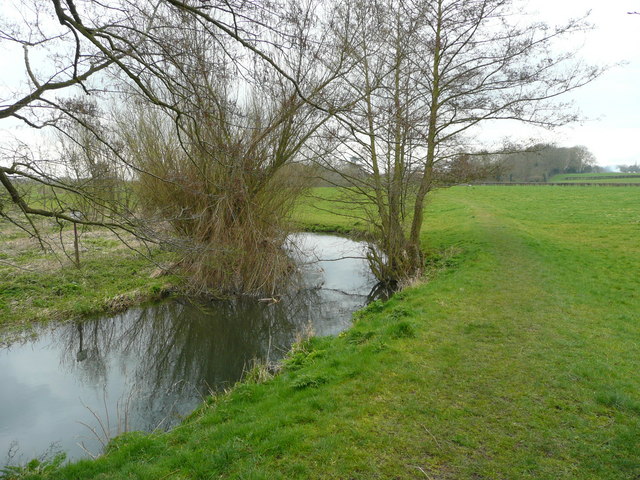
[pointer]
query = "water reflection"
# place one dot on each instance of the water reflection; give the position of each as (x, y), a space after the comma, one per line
(147, 368)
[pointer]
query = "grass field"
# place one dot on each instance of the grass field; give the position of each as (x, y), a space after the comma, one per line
(40, 286)
(596, 178)
(518, 360)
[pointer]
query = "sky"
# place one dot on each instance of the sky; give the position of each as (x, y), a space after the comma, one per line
(610, 105)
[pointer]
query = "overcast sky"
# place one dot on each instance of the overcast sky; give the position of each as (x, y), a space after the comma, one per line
(611, 104)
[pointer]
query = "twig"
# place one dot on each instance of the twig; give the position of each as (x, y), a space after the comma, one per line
(432, 436)
(105, 431)
(169, 474)
(9, 264)
(92, 430)
(422, 470)
(86, 450)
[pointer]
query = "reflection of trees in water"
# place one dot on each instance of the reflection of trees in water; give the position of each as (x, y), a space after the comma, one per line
(177, 351)
(84, 346)
(381, 291)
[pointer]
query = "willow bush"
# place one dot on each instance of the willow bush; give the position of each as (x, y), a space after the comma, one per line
(223, 192)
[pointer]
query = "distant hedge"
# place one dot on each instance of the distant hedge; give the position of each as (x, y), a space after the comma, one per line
(555, 184)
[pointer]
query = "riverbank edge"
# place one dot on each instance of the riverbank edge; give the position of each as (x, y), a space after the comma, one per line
(259, 373)
(152, 289)
(14, 330)
(293, 370)
(372, 319)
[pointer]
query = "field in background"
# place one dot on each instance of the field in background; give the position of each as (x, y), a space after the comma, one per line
(518, 360)
(596, 178)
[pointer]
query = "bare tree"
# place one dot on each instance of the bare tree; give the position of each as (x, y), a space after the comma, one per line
(221, 180)
(63, 65)
(220, 99)
(428, 74)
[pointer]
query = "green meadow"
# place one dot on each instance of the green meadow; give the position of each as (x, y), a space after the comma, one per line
(596, 178)
(517, 359)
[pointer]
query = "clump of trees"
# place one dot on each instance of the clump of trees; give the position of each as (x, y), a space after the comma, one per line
(635, 168)
(212, 107)
(541, 162)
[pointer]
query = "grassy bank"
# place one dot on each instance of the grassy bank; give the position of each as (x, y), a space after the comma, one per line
(519, 360)
(39, 286)
(317, 213)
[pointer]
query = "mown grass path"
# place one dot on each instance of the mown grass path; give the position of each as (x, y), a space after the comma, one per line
(519, 360)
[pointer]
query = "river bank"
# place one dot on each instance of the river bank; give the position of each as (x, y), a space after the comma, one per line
(148, 367)
(38, 286)
(518, 360)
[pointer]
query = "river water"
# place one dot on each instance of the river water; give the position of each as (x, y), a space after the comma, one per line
(75, 385)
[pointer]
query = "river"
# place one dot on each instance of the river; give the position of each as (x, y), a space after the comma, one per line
(75, 385)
